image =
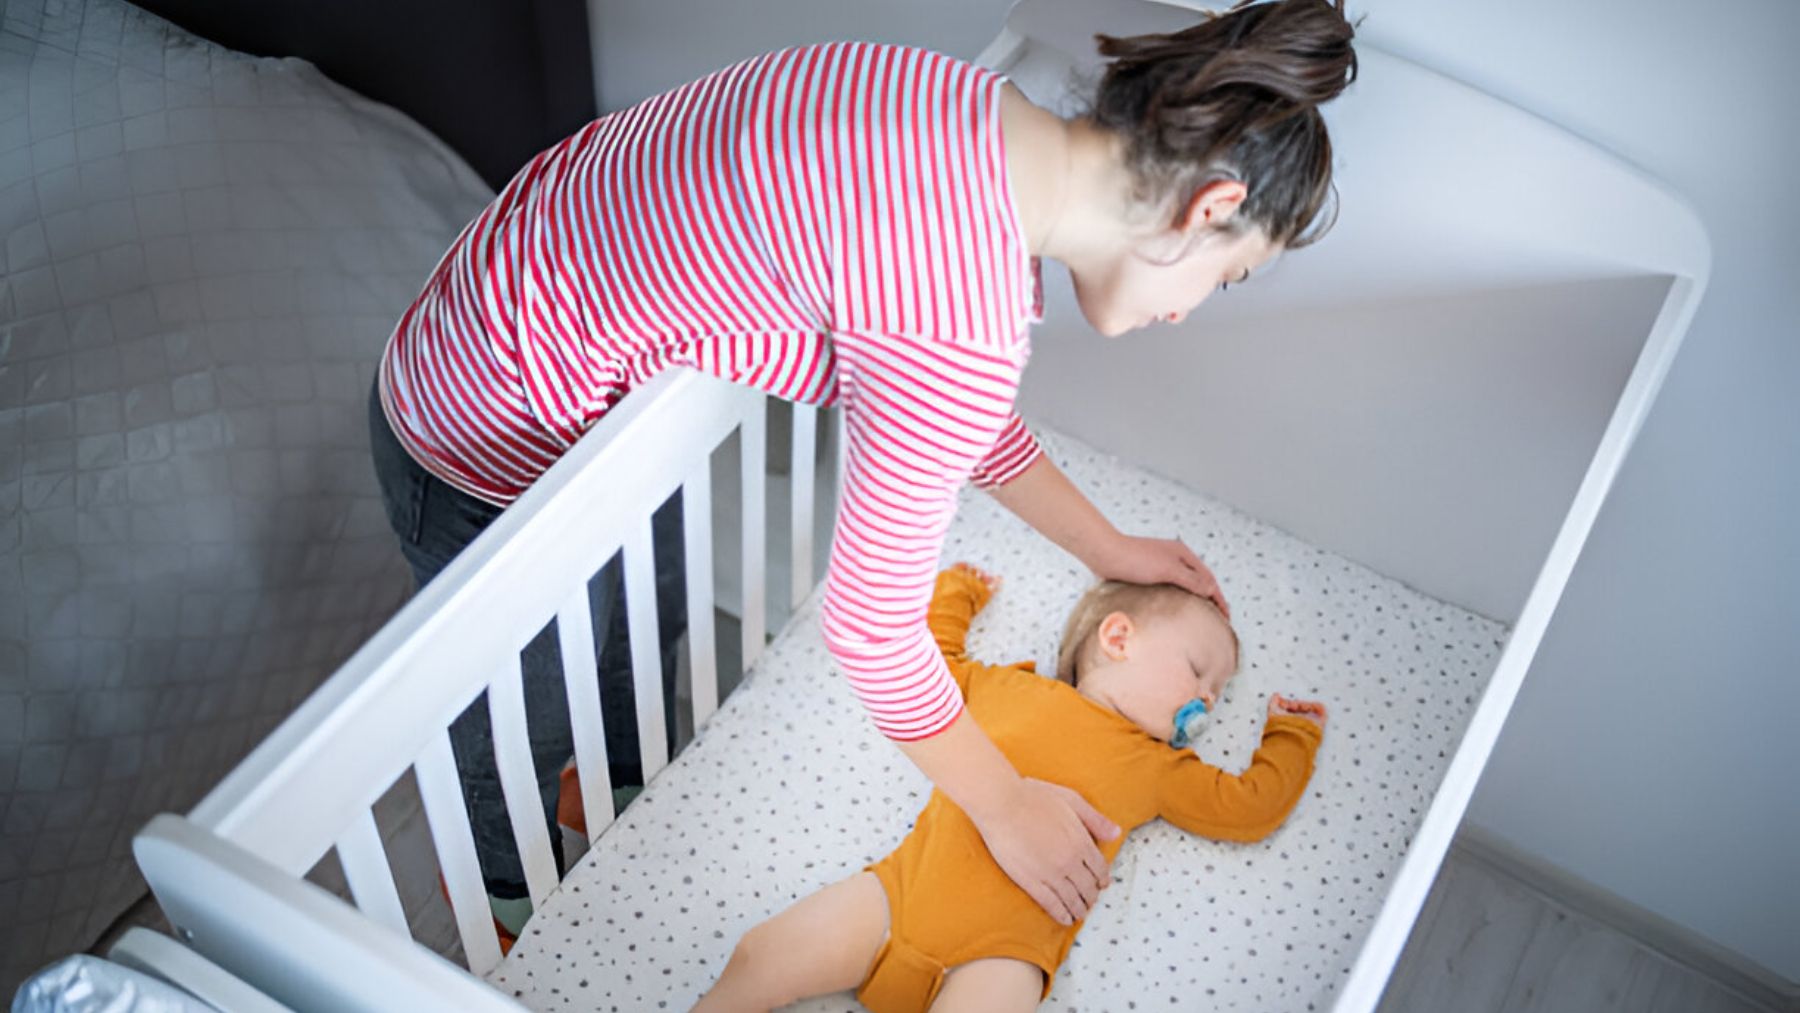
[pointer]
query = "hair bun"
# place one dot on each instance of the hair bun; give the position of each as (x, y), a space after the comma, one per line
(1252, 76)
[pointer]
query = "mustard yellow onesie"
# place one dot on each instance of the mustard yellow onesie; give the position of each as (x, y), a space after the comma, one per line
(950, 903)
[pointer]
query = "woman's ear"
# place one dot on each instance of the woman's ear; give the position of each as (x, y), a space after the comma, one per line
(1212, 205)
(1115, 635)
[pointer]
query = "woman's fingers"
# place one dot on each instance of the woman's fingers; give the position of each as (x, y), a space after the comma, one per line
(1071, 898)
(1193, 574)
(1097, 868)
(1044, 842)
(1086, 893)
(1098, 826)
(1202, 582)
(1052, 902)
(1093, 874)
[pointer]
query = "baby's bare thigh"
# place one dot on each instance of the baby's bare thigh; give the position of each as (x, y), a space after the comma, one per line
(998, 984)
(823, 943)
(829, 939)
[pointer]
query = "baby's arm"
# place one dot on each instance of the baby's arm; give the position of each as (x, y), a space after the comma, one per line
(1202, 799)
(960, 593)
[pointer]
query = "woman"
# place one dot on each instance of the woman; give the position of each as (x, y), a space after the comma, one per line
(861, 226)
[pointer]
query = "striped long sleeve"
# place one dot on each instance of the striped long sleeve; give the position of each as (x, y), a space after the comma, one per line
(910, 450)
(832, 224)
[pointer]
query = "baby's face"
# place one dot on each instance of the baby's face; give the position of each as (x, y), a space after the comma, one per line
(1176, 658)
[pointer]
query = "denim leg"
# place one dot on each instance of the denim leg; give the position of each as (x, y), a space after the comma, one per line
(434, 522)
(618, 700)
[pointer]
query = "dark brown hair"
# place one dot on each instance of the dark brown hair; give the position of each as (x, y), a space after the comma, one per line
(1234, 97)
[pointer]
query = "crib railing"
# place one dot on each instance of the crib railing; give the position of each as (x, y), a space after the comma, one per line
(229, 875)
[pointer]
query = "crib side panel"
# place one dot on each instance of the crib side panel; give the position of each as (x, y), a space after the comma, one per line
(164, 958)
(287, 938)
(311, 786)
(358, 733)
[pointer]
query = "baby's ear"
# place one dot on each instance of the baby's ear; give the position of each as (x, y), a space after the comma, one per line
(1115, 635)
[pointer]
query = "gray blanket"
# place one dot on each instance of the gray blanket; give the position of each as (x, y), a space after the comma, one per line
(201, 256)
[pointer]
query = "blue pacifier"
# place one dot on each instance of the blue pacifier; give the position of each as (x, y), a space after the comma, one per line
(1190, 720)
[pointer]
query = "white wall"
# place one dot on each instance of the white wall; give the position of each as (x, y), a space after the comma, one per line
(1649, 752)
(644, 47)
(1437, 440)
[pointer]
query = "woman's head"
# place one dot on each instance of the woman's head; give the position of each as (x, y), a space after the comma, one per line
(1218, 129)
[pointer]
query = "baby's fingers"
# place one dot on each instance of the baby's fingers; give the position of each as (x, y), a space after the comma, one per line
(1287, 705)
(1312, 710)
(992, 581)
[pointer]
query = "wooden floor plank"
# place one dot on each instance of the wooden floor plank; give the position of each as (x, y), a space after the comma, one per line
(1573, 965)
(1488, 943)
(1468, 960)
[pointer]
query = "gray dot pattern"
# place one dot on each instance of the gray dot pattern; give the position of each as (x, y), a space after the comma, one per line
(201, 255)
(789, 788)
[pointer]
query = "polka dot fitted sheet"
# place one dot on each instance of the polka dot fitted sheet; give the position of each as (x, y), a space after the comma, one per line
(789, 788)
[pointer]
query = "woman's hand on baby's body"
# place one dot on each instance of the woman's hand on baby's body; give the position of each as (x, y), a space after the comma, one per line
(1311, 710)
(1044, 840)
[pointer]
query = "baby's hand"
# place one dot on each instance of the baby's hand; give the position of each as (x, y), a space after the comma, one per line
(992, 582)
(1311, 710)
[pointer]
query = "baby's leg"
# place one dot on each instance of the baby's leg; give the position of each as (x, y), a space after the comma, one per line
(824, 943)
(996, 983)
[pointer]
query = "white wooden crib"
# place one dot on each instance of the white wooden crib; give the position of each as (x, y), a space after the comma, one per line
(230, 873)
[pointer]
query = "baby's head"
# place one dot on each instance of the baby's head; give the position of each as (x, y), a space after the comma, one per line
(1145, 650)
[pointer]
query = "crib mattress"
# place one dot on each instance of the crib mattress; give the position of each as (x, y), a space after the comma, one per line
(790, 788)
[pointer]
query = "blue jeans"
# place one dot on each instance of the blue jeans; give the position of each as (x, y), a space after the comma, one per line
(434, 521)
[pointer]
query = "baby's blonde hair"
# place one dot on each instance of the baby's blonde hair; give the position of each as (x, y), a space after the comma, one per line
(1142, 602)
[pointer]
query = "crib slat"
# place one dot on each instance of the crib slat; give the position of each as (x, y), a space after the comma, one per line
(752, 450)
(801, 469)
(441, 792)
(696, 506)
(518, 782)
(575, 633)
(646, 647)
(371, 878)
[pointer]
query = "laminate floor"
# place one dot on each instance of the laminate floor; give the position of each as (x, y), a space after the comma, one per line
(1487, 942)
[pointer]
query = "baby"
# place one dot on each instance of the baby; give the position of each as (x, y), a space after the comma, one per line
(937, 924)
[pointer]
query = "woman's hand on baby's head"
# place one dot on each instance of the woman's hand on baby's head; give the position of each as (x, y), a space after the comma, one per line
(1311, 710)
(992, 581)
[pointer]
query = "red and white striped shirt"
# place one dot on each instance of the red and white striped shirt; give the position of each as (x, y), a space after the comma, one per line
(832, 224)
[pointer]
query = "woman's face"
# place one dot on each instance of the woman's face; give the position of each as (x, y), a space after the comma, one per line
(1154, 280)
